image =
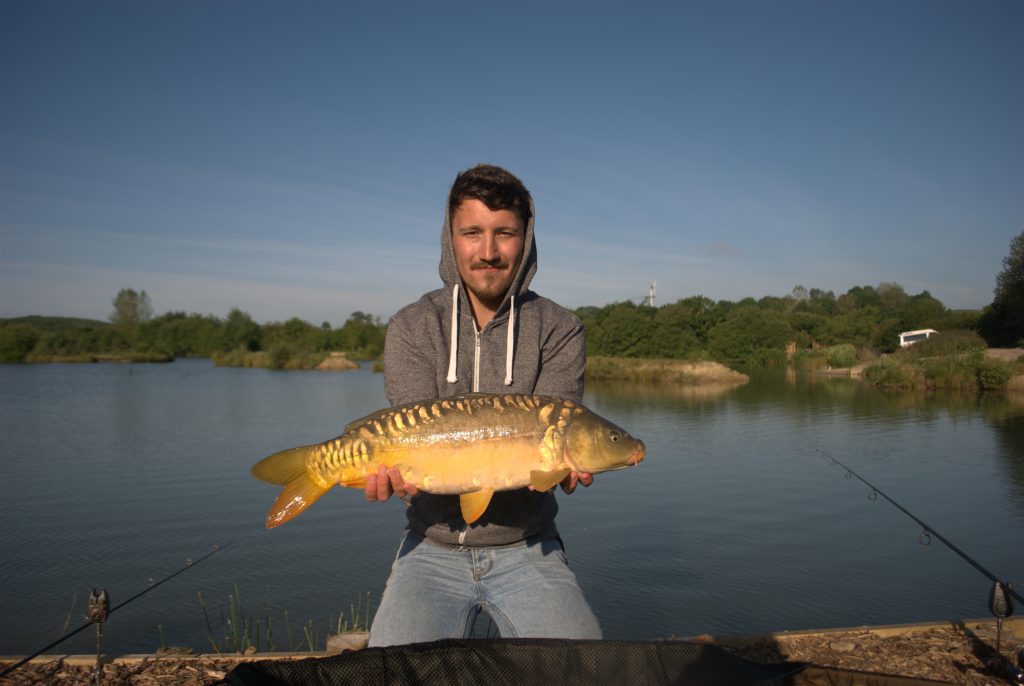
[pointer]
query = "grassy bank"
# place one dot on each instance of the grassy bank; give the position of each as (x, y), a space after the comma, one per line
(282, 358)
(841, 356)
(955, 361)
(971, 372)
(661, 371)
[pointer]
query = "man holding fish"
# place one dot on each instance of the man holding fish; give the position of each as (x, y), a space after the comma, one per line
(484, 331)
(485, 378)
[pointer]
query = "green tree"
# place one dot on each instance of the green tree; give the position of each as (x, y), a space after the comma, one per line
(239, 331)
(181, 335)
(807, 327)
(1002, 322)
(131, 308)
(857, 327)
(922, 311)
(674, 336)
(703, 315)
(750, 334)
(17, 341)
(362, 334)
(822, 302)
(626, 331)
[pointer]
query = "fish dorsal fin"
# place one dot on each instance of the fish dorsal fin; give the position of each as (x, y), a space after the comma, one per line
(474, 504)
(356, 423)
(545, 481)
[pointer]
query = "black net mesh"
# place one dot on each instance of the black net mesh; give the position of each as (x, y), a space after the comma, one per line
(523, 662)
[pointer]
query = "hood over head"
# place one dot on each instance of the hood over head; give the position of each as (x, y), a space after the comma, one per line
(449, 271)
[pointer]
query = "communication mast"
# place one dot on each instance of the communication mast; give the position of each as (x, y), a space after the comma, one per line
(650, 295)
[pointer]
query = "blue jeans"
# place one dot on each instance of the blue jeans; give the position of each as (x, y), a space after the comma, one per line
(436, 592)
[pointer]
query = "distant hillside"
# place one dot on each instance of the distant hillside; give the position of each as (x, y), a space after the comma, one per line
(56, 324)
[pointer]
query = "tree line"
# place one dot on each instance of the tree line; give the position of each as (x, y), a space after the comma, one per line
(865, 319)
(133, 330)
(748, 331)
(764, 331)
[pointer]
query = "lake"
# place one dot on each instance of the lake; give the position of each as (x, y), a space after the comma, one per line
(114, 476)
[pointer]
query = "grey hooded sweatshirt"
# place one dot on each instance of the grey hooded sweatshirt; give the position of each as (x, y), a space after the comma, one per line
(433, 350)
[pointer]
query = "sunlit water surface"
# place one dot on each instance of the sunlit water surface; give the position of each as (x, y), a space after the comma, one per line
(114, 476)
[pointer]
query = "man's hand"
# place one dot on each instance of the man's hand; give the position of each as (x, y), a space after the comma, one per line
(385, 482)
(569, 483)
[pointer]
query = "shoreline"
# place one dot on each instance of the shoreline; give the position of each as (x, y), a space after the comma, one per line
(662, 371)
(954, 651)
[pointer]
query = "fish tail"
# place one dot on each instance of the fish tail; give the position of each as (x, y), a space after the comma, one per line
(294, 498)
(288, 468)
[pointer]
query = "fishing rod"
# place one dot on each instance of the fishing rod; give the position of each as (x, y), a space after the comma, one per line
(98, 613)
(928, 531)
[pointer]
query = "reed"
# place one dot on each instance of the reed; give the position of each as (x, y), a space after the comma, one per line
(661, 371)
(240, 633)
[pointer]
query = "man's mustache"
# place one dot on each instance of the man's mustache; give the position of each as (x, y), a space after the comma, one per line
(497, 264)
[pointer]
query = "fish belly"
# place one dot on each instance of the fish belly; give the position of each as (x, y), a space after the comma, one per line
(481, 465)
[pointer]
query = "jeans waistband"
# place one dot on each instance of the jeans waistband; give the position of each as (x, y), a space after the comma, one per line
(531, 540)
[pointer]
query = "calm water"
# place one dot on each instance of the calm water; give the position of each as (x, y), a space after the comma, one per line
(115, 475)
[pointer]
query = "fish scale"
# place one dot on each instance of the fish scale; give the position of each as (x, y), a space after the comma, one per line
(469, 445)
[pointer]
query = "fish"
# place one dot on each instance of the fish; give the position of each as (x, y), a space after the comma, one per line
(470, 445)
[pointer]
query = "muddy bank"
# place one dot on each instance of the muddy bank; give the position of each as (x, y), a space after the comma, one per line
(336, 362)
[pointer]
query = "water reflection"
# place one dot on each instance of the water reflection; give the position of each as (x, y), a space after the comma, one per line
(733, 523)
(636, 390)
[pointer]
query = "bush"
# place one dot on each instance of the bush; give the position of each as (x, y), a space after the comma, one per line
(890, 372)
(17, 341)
(279, 356)
(951, 373)
(844, 355)
(993, 375)
(810, 359)
(948, 343)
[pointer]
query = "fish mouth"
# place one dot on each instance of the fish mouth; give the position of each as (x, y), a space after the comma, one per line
(637, 456)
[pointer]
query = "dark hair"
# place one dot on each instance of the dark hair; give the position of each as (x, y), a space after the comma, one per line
(495, 187)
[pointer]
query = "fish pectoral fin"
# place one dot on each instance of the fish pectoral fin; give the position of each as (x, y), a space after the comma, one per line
(354, 482)
(294, 498)
(545, 481)
(474, 504)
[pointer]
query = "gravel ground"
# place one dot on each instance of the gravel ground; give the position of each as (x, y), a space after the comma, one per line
(963, 654)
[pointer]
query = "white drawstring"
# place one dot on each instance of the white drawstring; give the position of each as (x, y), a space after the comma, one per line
(510, 342)
(454, 353)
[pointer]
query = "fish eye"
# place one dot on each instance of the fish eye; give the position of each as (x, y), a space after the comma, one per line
(613, 436)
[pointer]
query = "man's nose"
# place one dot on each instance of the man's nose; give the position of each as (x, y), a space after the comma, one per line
(489, 249)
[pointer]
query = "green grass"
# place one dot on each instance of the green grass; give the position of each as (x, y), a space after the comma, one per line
(278, 358)
(969, 371)
(235, 631)
(661, 371)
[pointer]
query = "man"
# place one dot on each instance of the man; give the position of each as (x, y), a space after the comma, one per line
(484, 331)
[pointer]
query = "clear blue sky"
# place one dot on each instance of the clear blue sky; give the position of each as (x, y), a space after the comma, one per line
(292, 158)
